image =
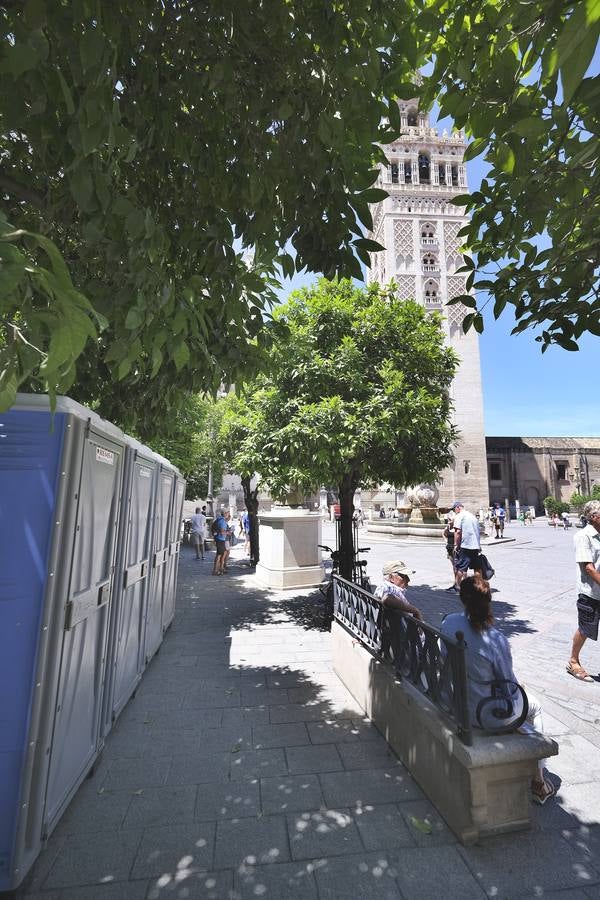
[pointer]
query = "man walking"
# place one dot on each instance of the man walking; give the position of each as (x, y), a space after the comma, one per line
(467, 544)
(499, 519)
(219, 531)
(587, 557)
(198, 531)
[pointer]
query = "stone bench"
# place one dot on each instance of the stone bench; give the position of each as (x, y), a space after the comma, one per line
(480, 790)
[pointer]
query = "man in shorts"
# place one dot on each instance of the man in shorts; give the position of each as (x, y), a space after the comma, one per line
(467, 544)
(197, 532)
(219, 530)
(587, 557)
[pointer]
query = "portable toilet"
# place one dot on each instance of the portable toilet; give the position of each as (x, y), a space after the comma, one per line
(126, 657)
(60, 495)
(174, 547)
(166, 478)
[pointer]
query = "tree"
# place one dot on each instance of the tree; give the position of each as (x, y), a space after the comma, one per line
(555, 507)
(358, 393)
(146, 147)
(512, 74)
(578, 500)
(239, 423)
(192, 443)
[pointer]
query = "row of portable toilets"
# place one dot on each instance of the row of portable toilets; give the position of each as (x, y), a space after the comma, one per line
(89, 539)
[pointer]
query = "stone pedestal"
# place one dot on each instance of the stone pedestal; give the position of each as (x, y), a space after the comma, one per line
(289, 556)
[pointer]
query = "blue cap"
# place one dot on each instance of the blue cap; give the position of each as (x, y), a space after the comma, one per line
(457, 503)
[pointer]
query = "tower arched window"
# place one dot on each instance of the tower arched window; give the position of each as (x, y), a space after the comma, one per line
(394, 173)
(454, 175)
(431, 292)
(442, 171)
(425, 168)
(427, 232)
(407, 171)
(412, 116)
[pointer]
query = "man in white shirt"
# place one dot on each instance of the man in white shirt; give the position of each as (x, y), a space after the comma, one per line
(587, 557)
(198, 531)
(392, 591)
(467, 544)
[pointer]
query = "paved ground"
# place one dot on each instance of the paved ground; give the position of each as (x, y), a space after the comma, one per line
(243, 769)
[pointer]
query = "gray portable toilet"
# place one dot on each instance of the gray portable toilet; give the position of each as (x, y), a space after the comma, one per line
(61, 483)
(125, 657)
(163, 501)
(174, 546)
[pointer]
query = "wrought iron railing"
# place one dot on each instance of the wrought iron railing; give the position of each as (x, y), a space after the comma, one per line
(433, 662)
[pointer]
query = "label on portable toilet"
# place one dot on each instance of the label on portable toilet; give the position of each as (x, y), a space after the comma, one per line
(144, 472)
(105, 456)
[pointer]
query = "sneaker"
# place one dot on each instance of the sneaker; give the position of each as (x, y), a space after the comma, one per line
(452, 588)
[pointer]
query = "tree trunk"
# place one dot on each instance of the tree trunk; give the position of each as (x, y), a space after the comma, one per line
(251, 501)
(346, 492)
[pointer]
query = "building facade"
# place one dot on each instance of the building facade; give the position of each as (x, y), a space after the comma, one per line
(529, 469)
(419, 228)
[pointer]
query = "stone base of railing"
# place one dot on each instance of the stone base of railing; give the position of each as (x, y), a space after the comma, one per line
(480, 790)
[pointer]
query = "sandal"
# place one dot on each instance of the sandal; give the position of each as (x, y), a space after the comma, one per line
(542, 791)
(579, 673)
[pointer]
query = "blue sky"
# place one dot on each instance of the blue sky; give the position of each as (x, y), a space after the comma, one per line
(525, 392)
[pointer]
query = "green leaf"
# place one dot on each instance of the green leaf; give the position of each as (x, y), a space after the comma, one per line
(505, 158)
(475, 148)
(531, 128)
(421, 825)
(66, 92)
(573, 69)
(592, 11)
(373, 195)
(181, 355)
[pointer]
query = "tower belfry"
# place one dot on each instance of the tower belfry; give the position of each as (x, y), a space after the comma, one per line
(418, 226)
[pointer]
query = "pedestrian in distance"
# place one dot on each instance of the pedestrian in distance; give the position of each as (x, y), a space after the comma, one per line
(448, 534)
(198, 531)
(587, 557)
(499, 519)
(391, 592)
(467, 543)
(219, 532)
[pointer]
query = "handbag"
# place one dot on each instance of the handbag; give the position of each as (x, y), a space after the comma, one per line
(483, 565)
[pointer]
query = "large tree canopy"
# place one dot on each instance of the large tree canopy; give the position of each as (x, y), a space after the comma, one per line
(146, 145)
(154, 141)
(358, 394)
(512, 74)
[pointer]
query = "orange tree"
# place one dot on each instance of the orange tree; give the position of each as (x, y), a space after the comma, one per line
(358, 393)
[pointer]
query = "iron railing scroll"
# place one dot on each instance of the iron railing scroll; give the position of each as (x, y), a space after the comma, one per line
(433, 662)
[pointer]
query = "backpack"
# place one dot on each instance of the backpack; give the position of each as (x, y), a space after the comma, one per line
(214, 528)
(483, 565)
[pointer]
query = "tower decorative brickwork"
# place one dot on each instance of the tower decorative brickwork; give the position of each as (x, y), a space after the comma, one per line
(418, 226)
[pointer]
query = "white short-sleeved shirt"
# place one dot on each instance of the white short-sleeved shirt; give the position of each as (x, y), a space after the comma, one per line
(469, 528)
(386, 587)
(587, 549)
(198, 523)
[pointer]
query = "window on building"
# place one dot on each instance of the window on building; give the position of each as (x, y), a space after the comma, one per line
(467, 465)
(561, 471)
(454, 175)
(495, 471)
(442, 171)
(407, 171)
(424, 168)
(394, 170)
(411, 118)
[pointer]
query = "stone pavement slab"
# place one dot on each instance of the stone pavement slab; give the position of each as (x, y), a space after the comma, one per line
(242, 768)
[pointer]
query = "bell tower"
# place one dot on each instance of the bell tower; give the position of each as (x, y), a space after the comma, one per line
(419, 226)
